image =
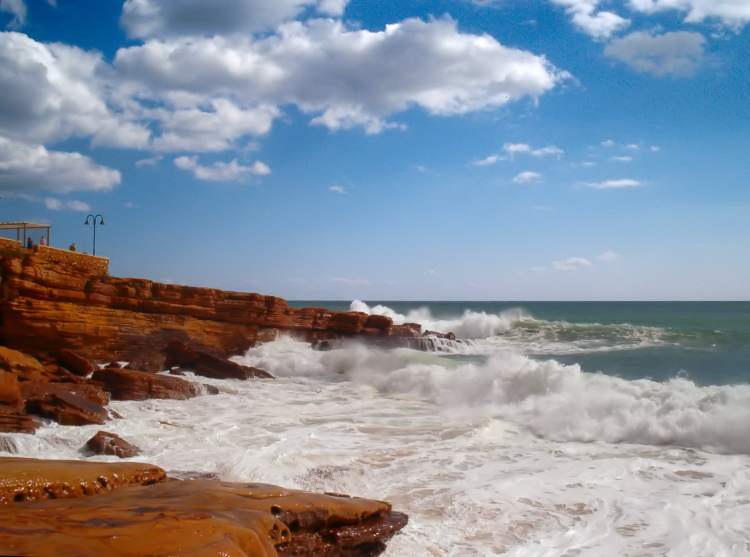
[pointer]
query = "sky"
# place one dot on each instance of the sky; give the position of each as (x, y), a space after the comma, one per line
(390, 150)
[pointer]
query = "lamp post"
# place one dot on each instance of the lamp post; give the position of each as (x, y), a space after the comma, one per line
(101, 221)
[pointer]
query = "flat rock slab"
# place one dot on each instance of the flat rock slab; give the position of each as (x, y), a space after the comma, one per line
(200, 517)
(29, 479)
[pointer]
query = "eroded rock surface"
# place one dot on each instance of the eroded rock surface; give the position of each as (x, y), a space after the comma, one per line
(192, 517)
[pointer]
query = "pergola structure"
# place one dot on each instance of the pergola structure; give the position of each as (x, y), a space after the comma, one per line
(19, 226)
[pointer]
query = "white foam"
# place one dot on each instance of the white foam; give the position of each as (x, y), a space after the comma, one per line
(507, 456)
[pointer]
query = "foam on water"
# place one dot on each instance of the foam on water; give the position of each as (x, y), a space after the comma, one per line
(464, 449)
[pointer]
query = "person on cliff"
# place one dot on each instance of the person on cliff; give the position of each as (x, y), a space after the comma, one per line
(72, 247)
(42, 241)
(29, 244)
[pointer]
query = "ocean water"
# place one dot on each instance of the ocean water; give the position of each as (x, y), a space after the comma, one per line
(551, 429)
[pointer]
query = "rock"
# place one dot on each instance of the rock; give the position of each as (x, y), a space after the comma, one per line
(66, 403)
(30, 479)
(51, 302)
(128, 384)
(23, 366)
(379, 322)
(200, 517)
(10, 393)
(75, 363)
(181, 355)
(349, 322)
(105, 443)
(13, 420)
(447, 336)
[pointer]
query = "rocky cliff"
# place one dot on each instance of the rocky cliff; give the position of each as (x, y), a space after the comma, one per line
(52, 299)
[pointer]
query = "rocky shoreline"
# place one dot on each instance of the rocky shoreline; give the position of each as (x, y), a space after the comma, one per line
(72, 338)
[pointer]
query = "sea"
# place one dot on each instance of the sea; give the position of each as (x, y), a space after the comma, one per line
(548, 429)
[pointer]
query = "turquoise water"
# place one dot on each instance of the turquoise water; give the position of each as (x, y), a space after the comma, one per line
(706, 342)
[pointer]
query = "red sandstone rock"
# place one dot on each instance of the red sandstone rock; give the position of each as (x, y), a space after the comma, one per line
(25, 367)
(29, 479)
(406, 330)
(13, 420)
(10, 393)
(128, 384)
(105, 443)
(200, 518)
(66, 403)
(349, 322)
(379, 322)
(181, 355)
(75, 363)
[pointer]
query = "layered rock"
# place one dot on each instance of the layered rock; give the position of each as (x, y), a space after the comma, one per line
(53, 300)
(53, 509)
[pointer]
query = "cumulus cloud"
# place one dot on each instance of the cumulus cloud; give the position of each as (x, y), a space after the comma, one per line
(733, 13)
(25, 167)
(597, 24)
(526, 177)
(346, 78)
(621, 159)
(220, 171)
(571, 264)
(337, 189)
(608, 256)
(608, 184)
(167, 18)
(676, 53)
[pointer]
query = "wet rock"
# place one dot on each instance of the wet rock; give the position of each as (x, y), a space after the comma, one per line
(128, 384)
(30, 479)
(75, 363)
(13, 420)
(379, 322)
(66, 403)
(181, 355)
(348, 322)
(105, 443)
(201, 517)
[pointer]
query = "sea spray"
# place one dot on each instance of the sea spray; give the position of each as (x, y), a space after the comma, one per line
(558, 402)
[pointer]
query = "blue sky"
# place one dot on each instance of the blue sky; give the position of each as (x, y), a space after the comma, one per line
(422, 150)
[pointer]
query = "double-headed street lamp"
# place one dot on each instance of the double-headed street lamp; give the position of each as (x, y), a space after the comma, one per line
(101, 221)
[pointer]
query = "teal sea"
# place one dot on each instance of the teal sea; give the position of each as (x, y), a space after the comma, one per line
(706, 342)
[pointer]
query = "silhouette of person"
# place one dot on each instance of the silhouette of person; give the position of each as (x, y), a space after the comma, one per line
(72, 247)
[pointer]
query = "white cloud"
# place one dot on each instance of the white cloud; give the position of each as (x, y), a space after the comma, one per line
(599, 25)
(25, 167)
(623, 183)
(198, 18)
(515, 148)
(549, 151)
(571, 264)
(607, 143)
(54, 204)
(487, 161)
(214, 127)
(655, 148)
(345, 78)
(526, 177)
(621, 159)
(608, 256)
(220, 171)
(17, 8)
(338, 189)
(676, 53)
(733, 13)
